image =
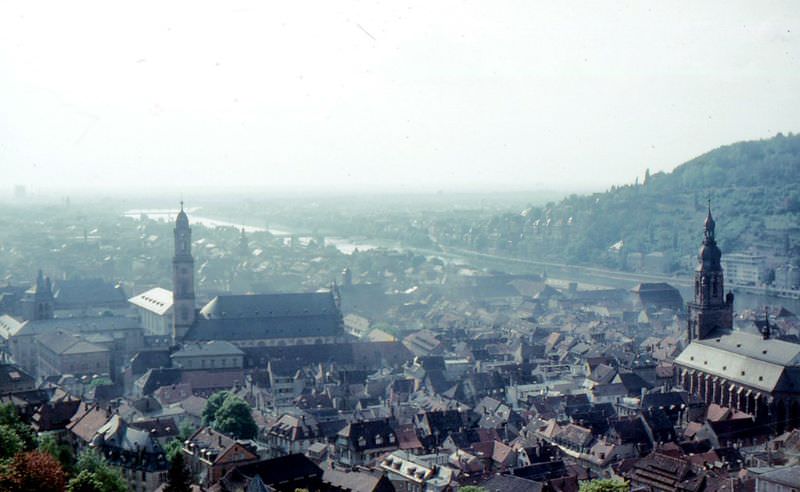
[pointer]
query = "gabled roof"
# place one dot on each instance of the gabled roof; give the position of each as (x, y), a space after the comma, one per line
(270, 306)
(208, 349)
(68, 344)
(744, 358)
(87, 420)
(84, 324)
(87, 292)
(354, 480)
(373, 434)
(510, 483)
(217, 445)
(293, 468)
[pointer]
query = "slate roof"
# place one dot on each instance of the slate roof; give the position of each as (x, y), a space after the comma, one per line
(575, 435)
(12, 377)
(369, 430)
(283, 473)
(630, 431)
(129, 447)
(355, 481)
(269, 305)
(548, 470)
(255, 316)
(746, 359)
(87, 292)
(149, 359)
(789, 476)
(88, 324)
(603, 374)
(295, 428)
(210, 348)
(67, 344)
(633, 382)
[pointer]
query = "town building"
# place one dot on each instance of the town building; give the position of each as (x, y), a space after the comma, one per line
(745, 268)
(753, 373)
(249, 320)
(210, 454)
(215, 354)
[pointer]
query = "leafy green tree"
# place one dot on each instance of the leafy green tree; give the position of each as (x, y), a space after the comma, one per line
(60, 451)
(178, 477)
(10, 443)
(235, 418)
(85, 481)
(9, 417)
(172, 448)
(185, 430)
(111, 479)
(212, 405)
(604, 485)
(175, 445)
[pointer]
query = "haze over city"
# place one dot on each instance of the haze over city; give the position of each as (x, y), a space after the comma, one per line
(433, 246)
(398, 96)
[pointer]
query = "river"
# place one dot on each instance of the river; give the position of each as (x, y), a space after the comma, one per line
(344, 245)
(569, 273)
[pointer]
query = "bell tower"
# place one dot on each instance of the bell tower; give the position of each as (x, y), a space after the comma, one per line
(711, 309)
(183, 301)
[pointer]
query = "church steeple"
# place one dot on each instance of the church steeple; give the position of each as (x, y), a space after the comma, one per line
(244, 245)
(711, 309)
(183, 300)
(38, 300)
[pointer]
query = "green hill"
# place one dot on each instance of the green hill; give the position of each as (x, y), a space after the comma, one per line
(754, 187)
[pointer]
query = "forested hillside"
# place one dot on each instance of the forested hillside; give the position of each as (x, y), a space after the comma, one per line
(754, 188)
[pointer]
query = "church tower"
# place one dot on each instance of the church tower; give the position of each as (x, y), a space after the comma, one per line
(38, 300)
(711, 309)
(244, 245)
(183, 307)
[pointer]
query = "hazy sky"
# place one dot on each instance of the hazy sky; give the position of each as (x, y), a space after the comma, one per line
(395, 95)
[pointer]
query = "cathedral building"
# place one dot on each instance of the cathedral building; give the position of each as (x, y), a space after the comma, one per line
(249, 320)
(750, 372)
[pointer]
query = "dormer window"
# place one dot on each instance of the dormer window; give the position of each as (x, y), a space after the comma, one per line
(362, 442)
(378, 439)
(391, 438)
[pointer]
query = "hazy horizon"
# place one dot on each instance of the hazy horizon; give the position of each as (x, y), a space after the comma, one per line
(400, 98)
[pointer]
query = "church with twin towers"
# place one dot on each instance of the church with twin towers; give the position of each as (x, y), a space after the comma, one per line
(245, 320)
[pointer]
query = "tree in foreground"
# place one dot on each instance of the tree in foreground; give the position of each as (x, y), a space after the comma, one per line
(85, 481)
(10, 443)
(235, 418)
(604, 485)
(33, 471)
(60, 451)
(9, 417)
(178, 477)
(97, 467)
